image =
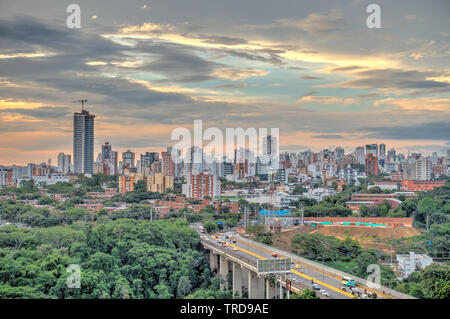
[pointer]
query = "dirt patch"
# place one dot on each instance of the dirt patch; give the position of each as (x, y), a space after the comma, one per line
(368, 237)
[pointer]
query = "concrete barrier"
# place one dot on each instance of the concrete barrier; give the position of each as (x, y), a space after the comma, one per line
(385, 290)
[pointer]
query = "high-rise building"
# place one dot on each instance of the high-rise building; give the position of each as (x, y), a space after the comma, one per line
(360, 155)
(64, 163)
(339, 152)
(83, 142)
(372, 149)
(168, 166)
(128, 159)
(423, 169)
(201, 185)
(382, 150)
(371, 165)
(392, 154)
(159, 183)
(270, 145)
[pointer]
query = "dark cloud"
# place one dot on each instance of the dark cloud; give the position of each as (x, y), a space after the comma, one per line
(44, 112)
(310, 77)
(232, 86)
(422, 131)
(328, 136)
(393, 79)
(212, 39)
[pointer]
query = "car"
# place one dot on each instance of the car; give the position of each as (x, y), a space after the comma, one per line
(316, 287)
(235, 249)
(206, 237)
(325, 293)
(297, 266)
(365, 296)
(234, 241)
(274, 255)
(219, 241)
(224, 245)
(343, 288)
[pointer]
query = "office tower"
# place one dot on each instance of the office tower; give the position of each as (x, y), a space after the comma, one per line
(372, 149)
(382, 150)
(128, 159)
(147, 159)
(371, 165)
(391, 154)
(83, 142)
(106, 151)
(108, 160)
(270, 145)
(194, 160)
(64, 162)
(360, 155)
(339, 152)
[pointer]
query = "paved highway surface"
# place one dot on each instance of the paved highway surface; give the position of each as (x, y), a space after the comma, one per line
(301, 277)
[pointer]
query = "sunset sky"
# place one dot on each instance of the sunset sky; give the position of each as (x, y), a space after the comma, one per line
(310, 68)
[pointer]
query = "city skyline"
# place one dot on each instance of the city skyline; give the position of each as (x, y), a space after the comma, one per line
(314, 70)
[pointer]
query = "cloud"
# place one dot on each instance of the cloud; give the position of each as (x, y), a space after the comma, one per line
(392, 79)
(316, 24)
(332, 136)
(421, 131)
(421, 104)
(238, 74)
(310, 77)
(232, 86)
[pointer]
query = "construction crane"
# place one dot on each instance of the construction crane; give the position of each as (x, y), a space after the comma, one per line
(82, 103)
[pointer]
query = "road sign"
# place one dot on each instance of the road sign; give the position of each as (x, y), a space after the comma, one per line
(272, 266)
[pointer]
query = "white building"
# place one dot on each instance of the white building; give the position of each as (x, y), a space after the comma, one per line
(64, 163)
(407, 264)
(47, 179)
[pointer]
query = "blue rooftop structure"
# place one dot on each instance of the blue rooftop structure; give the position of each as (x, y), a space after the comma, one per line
(278, 213)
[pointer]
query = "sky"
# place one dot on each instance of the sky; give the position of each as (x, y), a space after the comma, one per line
(313, 69)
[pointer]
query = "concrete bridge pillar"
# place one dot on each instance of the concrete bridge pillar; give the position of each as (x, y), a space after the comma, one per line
(237, 280)
(213, 264)
(271, 291)
(224, 271)
(255, 286)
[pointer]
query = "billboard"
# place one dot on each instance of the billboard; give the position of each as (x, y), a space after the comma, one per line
(276, 265)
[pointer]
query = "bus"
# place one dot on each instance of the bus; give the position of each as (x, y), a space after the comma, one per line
(349, 282)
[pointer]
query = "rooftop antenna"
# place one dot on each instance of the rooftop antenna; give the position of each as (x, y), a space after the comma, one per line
(82, 103)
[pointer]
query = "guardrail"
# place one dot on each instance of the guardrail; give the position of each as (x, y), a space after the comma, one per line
(242, 263)
(230, 256)
(385, 290)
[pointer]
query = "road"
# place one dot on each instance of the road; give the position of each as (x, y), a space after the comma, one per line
(301, 277)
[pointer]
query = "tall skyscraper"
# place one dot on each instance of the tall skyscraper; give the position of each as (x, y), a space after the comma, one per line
(360, 155)
(372, 149)
(382, 150)
(83, 142)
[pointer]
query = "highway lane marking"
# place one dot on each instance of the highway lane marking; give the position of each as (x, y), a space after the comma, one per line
(294, 271)
(310, 267)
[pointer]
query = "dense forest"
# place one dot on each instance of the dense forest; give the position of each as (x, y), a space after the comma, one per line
(124, 258)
